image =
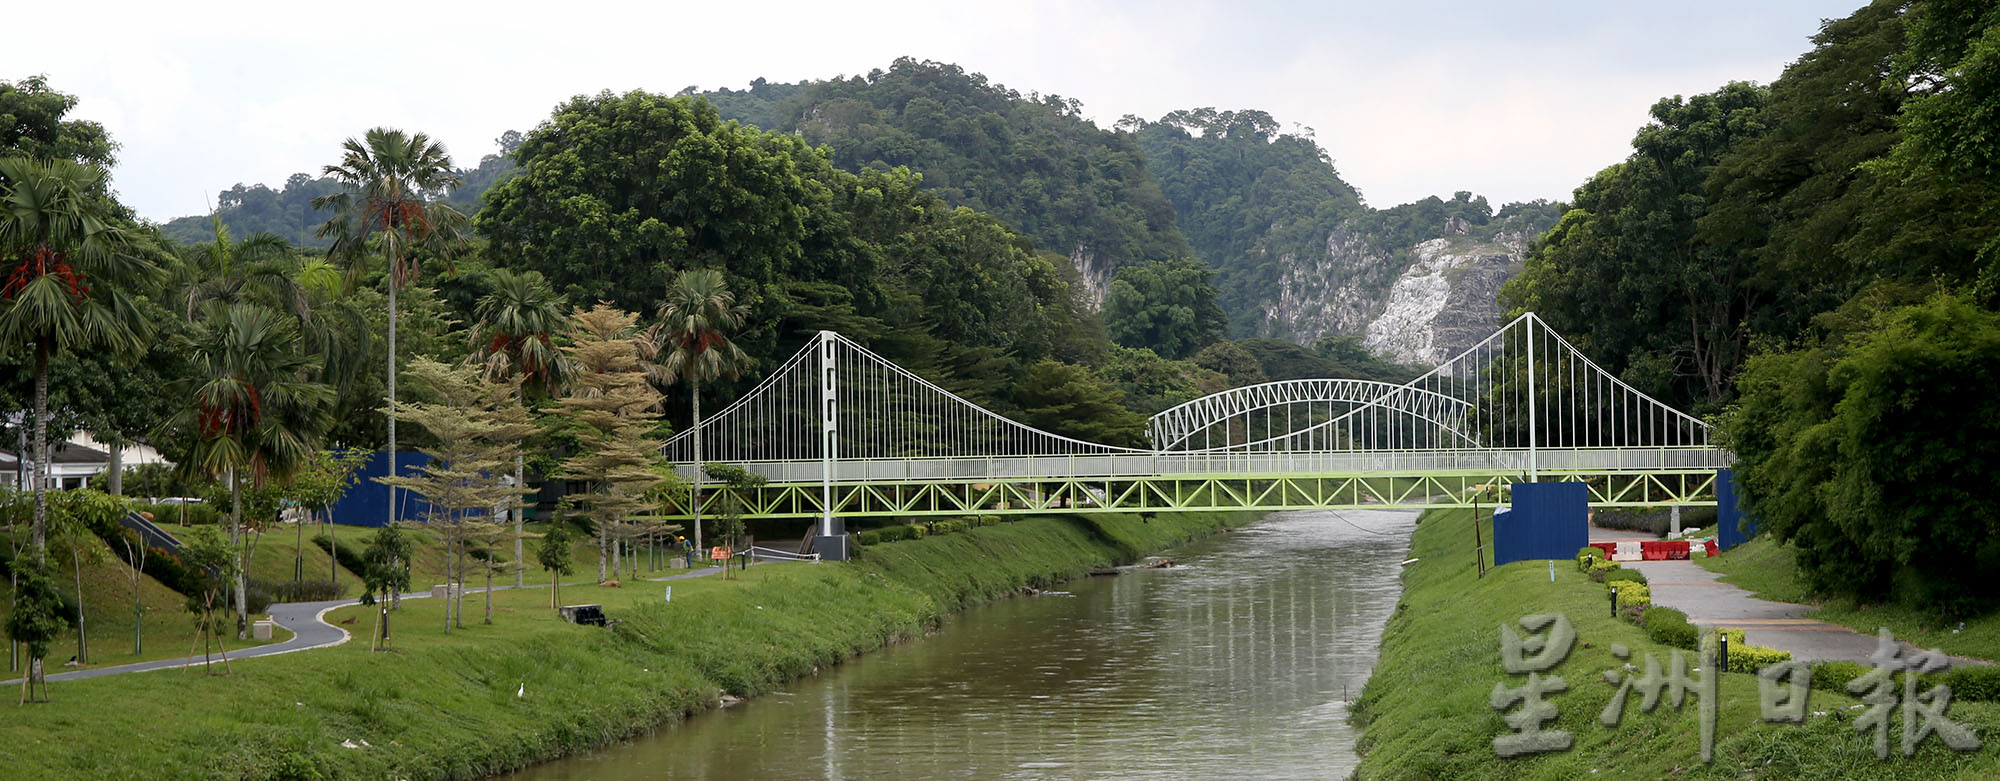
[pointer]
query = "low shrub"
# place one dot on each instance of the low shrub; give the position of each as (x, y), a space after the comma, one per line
(191, 514)
(347, 554)
(1633, 594)
(1981, 682)
(891, 534)
(161, 565)
(950, 527)
(1744, 657)
(987, 520)
(257, 597)
(1667, 626)
(1834, 676)
(1600, 569)
(1623, 574)
(1650, 521)
(1657, 521)
(298, 591)
(1751, 658)
(1588, 556)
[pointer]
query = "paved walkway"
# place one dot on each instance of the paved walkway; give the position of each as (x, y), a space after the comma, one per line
(1710, 603)
(307, 623)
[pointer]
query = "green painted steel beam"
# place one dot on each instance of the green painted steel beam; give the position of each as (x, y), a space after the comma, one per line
(1197, 492)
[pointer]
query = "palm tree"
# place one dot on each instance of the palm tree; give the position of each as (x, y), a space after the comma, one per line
(260, 268)
(252, 409)
(391, 185)
(70, 274)
(516, 320)
(692, 342)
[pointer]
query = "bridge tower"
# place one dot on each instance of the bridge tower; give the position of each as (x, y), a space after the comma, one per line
(831, 542)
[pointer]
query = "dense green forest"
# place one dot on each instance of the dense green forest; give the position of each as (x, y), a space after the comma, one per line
(1229, 189)
(1031, 160)
(1247, 197)
(1817, 263)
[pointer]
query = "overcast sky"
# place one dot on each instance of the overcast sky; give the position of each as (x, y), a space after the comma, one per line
(1510, 100)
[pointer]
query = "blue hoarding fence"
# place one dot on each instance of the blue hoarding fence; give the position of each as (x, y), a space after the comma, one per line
(367, 502)
(1733, 525)
(1546, 521)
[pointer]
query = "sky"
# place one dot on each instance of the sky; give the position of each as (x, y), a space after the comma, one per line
(1511, 100)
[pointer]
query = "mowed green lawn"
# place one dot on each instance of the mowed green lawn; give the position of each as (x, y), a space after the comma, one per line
(167, 627)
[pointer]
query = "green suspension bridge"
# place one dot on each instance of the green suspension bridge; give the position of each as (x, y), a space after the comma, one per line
(838, 431)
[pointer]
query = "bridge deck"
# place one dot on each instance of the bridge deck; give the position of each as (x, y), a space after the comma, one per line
(1156, 482)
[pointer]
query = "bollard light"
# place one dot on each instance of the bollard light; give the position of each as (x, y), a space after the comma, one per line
(1614, 601)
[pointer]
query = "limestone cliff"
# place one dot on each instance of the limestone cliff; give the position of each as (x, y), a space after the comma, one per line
(1419, 304)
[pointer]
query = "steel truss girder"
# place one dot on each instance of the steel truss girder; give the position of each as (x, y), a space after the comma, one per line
(1171, 429)
(1197, 492)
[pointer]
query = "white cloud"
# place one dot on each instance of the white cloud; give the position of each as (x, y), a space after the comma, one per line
(1410, 99)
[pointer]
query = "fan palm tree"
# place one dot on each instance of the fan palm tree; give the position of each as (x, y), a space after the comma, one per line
(692, 344)
(389, 202)
(516, 321)
(253, 411)
(69, 274)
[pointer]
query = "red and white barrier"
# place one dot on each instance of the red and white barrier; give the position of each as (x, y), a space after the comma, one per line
(1652, 550)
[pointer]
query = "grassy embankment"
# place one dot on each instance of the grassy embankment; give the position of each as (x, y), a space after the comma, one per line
(1766, 568)
(276, 557)
(1425, 712)
(446, 706)
(167, 627)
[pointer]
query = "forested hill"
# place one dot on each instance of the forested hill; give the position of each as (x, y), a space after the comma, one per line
(1031, 160)
(1297, 252)
(288, 212)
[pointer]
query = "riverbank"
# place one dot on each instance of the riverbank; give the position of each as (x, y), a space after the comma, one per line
(1241, 656)
(1425, 713)
(489, 698)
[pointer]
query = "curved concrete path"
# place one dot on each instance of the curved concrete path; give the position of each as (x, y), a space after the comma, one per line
(1710, 603)
(307, 623)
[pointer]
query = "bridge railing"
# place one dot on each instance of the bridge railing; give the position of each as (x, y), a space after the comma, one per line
(1292, 464)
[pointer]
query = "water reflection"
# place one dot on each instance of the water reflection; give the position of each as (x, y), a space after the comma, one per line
(1238, 662)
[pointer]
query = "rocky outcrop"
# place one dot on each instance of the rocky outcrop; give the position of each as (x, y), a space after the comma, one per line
(1444, 302)
(1417, 305)
(1095, 276)
(1328, 294)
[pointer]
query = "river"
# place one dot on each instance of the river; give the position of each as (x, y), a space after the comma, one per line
(1237, 662)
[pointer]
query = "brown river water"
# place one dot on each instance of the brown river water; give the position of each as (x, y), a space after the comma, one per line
(1239, 662)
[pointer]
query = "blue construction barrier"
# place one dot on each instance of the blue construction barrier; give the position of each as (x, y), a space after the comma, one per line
(1547, 521)
(367, 502)
(1733, 524)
